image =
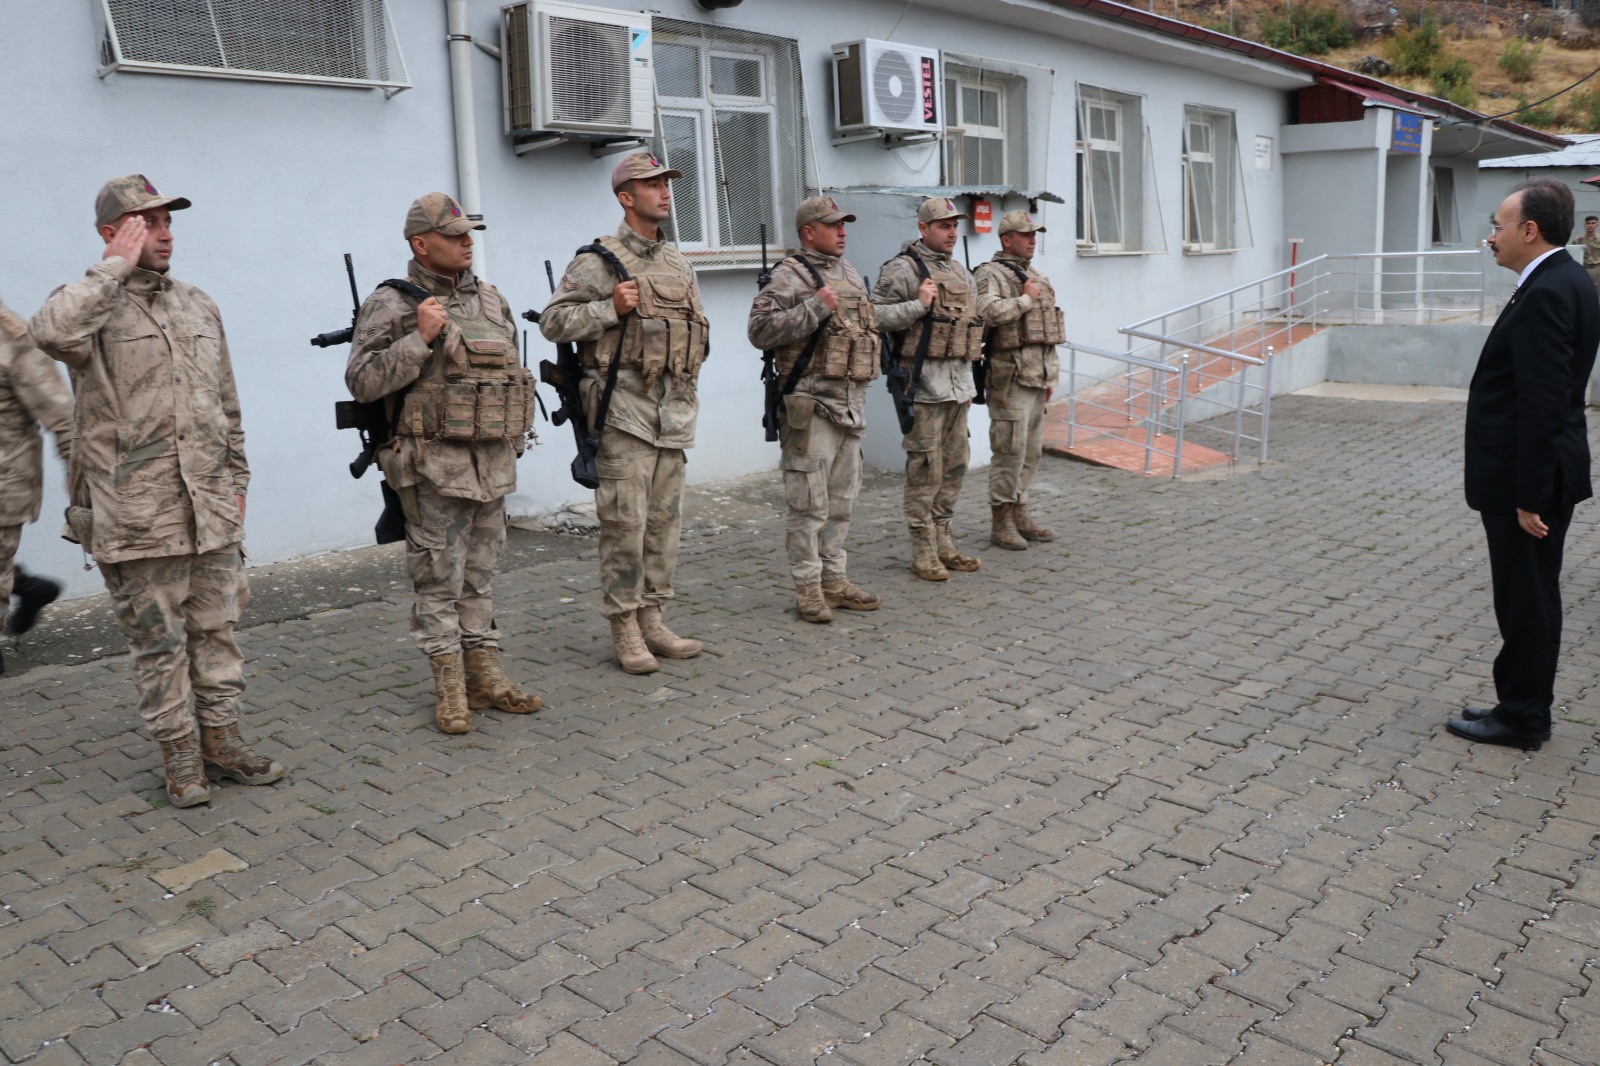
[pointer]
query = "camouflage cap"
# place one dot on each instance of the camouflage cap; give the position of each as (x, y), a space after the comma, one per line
(819, 209)
(636, 165)
(124, 196)
(935, 208)
(1018, 222)
(436, 211)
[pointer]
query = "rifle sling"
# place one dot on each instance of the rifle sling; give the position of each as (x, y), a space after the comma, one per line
(802, 364)
(611, 260)
(419, 294)
(927, 327)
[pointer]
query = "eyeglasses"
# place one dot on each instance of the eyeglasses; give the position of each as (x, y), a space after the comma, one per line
(1496, 227)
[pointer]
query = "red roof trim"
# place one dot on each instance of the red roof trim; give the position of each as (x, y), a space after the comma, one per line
(1357, 82)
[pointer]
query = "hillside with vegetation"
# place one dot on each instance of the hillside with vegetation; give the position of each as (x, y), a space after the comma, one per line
(1494, 55)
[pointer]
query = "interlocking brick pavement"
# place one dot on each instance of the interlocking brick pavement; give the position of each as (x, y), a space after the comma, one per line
(1174, 788)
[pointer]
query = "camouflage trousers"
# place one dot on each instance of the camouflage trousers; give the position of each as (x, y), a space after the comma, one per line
(640, 507)
(178, 613)
(1016, 437)
(452, 546)
(1594, 275)
(10, 540)
(821, 477)
(937, 451)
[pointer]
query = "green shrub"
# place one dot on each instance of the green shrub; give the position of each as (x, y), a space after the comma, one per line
(1586, 109)
(1518, 58)
(1545, 114)
(1452, 80)
(1307, 31)
(1415, 48)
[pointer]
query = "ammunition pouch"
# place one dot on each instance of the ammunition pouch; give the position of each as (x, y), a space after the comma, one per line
(1042, 325)
(669, 335)
(469, 410)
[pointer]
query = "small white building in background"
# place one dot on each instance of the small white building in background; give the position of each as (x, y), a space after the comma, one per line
(1168, 162)
(1574, 165)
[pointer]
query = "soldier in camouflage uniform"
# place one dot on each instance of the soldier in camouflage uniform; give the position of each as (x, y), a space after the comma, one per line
(924, 290)
(443, 359)
(1591, 248)
(158, 478)
(653, 330)
(816, 308)
(1023, 326)
(31, 394)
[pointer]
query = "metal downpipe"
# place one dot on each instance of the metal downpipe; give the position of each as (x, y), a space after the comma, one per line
(461, 105)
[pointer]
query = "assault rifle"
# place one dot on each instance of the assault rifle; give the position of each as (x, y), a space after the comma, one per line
(370, 420)
(898, 382)
(771, 388)
(980, 369)
(564, 375)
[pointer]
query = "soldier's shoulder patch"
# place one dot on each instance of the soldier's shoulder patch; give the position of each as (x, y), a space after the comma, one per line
(366, 331)
(567, 284)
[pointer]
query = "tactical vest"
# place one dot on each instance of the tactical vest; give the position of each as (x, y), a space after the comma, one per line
(1043, 324)
(848, 346)
(956, 331)
(472, 388)
(668, 332)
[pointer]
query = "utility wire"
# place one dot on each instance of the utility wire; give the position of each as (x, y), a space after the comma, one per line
(1524, 107)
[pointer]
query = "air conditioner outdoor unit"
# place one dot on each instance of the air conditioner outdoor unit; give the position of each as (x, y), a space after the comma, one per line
(577, 72)
(882, 87)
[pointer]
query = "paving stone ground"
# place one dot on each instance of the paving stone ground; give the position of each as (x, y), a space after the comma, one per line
(1174, 789)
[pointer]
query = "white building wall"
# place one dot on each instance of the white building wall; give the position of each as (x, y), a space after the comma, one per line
(285, 178)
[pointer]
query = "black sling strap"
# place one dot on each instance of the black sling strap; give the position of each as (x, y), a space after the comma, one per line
(804, 362)
(621, 271)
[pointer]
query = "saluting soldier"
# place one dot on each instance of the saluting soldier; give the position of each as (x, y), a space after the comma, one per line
(817, 319)
(925, 300)
(440, 350)
(158, 479)
(1023, 326)
(631, 304)
(31, 394)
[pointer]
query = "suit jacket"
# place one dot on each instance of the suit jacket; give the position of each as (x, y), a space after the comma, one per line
(1526, 433)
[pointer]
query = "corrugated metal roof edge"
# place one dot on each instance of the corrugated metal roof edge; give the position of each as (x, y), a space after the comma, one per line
(1199, 34)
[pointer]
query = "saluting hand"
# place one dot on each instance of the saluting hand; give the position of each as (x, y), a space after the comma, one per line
(1030, 288)
(927, 292)
(625, 297)
(829, 298)
(431, 318)
(128, 241)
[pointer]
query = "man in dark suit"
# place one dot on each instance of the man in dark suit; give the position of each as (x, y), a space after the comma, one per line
(1527, 452)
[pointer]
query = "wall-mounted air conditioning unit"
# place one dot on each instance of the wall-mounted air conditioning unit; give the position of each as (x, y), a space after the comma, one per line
(884, 88)
(573, 72)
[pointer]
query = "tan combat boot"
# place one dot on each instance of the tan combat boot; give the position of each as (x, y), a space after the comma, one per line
(949, 554)
(1027, 526)
(450, 711)
(488, 687)
(186, 779)
(925, 556)
(809, 602)
(222, 746)
(627, 644)
(838, 592)
(1003, 530)
(663, 641)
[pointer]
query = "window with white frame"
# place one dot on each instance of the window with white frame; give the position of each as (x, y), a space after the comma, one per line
(1214, 214)
(731, 117)
(337, 42)
(1446, 229)
(986, 137)
(1119, 209)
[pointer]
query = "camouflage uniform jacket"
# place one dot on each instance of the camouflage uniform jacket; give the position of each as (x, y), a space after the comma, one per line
(943, 380)
(662, 413)
(31, 394)
(389, 354)
(1001, 300)
(158, 449)
(788, 311)
(1591, 250)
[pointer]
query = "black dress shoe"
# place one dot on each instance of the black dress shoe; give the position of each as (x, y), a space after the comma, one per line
(33, 594)
(1476, 714)
(1493, 731)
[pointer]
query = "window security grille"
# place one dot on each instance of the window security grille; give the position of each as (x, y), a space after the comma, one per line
(997, 116)
(1119, 209)
(1216, 217)
(731, 116)
(322, 42)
